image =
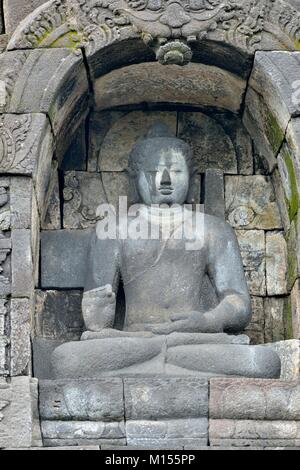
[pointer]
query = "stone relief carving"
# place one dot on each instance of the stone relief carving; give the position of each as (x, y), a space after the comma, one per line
(169, 26)
(76, 211)
(11, 141)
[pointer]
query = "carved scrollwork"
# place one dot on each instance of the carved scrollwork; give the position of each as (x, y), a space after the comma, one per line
(73, 197)
(97, 23)
(11, 141)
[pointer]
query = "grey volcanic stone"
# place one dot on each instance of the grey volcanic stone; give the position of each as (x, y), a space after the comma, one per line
(275, 311)
(59, 267)
(166, 429)
(250, 203)
(58, 315)
(196, 84)
(276, 264)
(249, 399)
(22, 268)
(289, 353)
(250, 432)
(17, 417)
(165, 398)
(113, 145)
(20, 315)
(16, 10)
(214, 193)
(82, 400)
(42, 350)
(252, 246)
(81, 430)
(212, 146)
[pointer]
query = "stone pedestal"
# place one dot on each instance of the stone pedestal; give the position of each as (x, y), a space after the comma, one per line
(147, 412)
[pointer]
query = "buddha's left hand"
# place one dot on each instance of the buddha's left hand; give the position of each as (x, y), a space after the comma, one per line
(196, 322)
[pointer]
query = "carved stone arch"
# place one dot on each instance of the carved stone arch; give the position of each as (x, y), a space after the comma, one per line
(171, 28)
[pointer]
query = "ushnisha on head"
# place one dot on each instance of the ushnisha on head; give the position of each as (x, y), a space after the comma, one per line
(161, 166)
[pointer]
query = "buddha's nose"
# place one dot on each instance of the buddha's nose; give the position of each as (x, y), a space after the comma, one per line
(166, 178)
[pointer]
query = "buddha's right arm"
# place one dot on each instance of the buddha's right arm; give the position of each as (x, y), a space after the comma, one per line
(102, 279)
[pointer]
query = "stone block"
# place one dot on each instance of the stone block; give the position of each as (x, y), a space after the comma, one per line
(99, 125)
(115, 144)
(167, 429)
(58, 315)
(166, 444)
(5, 213)
(254, 399)
(293, 251)
(82, 400)
(82, 430)
(27, 143)
(3, 45)
(242, 433)
(16, 416)
(255, 330)
(293, 140)
(281, 199)
(214, 193)
(275, 311)
(22, 268)
(3, 315)
(3, 355)
(21, 202)
(5, 263)
(117, 185)
(211, 145)
(75, 157)
(20, 352)
(276, 264)
(83, 193)
(165, 398)
(252, 245)
(295, 307)
(79, 442)
(196, 84)
(268, 133)
(274, 75)
(58, 78)
(52, 218)
(42, 350)
(60, 269)
(289, 353)
(250, 203)
(16, 10)
(289, 169)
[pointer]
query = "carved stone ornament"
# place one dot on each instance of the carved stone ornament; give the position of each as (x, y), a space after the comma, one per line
(94, 24)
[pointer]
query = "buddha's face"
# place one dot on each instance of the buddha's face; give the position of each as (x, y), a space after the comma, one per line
(164, 178)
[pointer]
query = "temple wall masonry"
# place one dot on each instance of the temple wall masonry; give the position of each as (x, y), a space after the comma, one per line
(79, 85)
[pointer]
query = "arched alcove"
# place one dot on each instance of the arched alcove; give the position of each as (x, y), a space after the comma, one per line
(74, 80)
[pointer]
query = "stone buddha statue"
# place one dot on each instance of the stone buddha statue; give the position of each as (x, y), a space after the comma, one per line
(168, 328)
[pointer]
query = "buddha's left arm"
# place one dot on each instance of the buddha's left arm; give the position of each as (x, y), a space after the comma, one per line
(225, 269)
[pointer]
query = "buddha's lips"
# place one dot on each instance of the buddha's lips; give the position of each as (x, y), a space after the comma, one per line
(166, 191)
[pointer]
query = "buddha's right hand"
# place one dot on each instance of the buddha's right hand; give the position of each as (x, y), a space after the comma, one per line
(98, 308)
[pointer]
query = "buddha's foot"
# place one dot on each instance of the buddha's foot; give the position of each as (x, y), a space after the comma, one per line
(163, 355)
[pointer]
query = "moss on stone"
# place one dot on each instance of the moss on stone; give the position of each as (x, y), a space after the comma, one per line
(274, 132)
(288, 320)
(294, 202)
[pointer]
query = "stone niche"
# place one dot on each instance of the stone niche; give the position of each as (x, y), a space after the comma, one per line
(229, 183)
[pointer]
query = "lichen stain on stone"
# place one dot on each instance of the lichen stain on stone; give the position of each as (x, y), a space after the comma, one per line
(273, 131)
(294, 202)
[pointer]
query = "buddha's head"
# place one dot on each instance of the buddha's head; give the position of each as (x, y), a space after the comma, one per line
(161, 166)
